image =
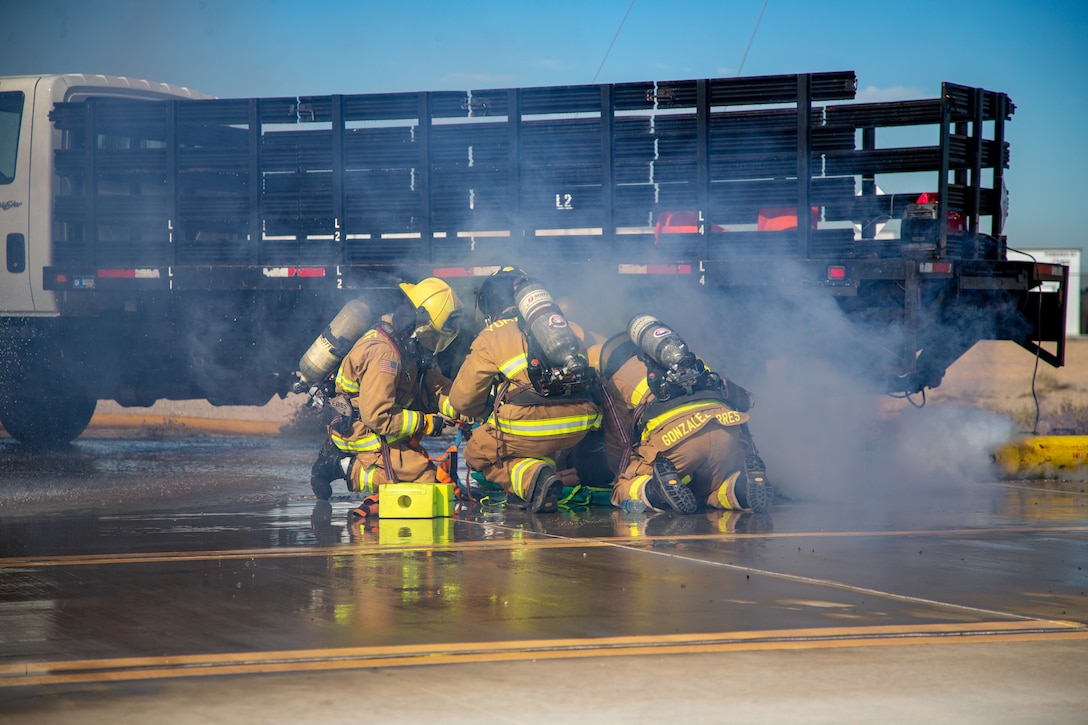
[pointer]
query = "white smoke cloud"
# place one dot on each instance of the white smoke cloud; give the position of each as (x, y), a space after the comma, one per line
(819, 420)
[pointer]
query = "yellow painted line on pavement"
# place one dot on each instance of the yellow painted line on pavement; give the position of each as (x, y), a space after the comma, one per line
(244, 663)
(544, 542)
(342, 550)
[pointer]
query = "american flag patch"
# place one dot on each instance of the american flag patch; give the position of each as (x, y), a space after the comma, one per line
(388, 366)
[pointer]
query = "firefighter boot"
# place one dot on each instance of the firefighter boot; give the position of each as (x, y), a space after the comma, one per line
(544, 493)
(666, 492)
(758, 494)
(326, 469)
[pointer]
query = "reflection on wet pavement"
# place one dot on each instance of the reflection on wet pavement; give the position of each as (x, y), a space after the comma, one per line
(214, 548)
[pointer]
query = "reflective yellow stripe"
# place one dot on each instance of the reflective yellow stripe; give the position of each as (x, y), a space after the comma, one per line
(639, 392)
(446, 409)
(727, 495)
(678, 411)
(638, 483)
(367, 444)
(410, 422)
(518, 473)
(514, 365)
(548, 426)
(348, 386)
(367, 478)
(522, 472)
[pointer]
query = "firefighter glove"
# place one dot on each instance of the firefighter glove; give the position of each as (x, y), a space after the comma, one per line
(433, 424)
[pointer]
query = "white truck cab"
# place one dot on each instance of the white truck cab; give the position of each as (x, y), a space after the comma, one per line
(27, 182)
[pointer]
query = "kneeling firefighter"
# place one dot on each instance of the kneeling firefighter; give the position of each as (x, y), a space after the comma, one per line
(679, 430)
(395, 393)
(526, 375)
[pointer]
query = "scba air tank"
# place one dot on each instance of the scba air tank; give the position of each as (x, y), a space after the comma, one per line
(659, 342)
(330, 347)
(545, 323)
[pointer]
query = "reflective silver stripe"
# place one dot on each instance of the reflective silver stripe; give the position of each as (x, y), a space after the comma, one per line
(348, 386)
(518, 475)
(367, 444)
(366, 482)
(514, 365)
(548, 426)
(411, 421)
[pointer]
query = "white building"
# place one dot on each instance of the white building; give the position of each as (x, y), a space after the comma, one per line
(1069, 256)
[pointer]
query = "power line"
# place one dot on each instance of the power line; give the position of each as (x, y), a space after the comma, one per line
(631, 5)
(745, 56)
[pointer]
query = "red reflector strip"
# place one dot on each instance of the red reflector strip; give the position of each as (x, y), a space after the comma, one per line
(935, 267)
(117, 273)
(464, 271)
(294, 271)
(655, 269)
(139, 273)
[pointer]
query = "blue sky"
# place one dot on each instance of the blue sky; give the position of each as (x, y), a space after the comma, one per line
(1035, 51)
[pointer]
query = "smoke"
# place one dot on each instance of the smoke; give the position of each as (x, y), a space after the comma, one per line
(820, 420)
(821, 424)
(946, 444)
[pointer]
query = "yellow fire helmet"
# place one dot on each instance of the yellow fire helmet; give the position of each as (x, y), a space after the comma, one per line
(439, 312)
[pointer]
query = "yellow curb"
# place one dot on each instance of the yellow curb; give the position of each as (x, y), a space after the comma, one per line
(225, 426)
(1042, 456)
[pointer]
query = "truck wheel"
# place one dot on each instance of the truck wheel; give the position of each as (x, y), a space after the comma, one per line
(45, 422)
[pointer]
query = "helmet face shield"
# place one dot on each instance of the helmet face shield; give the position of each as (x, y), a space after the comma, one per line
(434, 339)
(438, 313)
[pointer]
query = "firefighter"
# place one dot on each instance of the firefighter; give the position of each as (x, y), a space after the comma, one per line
(675, 431)
(396, 393)
(528, 381)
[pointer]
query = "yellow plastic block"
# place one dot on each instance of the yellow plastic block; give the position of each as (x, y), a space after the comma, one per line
(415, 500)
(414, 532)
(1042, 456)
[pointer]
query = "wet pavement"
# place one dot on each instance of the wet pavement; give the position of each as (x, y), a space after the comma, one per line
(178, 571)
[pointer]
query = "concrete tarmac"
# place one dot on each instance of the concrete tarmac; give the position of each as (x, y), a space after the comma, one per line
(197, 580)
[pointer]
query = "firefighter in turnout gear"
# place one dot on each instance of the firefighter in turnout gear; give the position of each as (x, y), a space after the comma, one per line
(527, 379)
(396, 393)
(675, 431)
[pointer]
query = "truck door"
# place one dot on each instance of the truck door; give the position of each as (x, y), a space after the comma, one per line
(15, 137)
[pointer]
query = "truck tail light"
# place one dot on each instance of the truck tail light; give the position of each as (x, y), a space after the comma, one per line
(836, 273)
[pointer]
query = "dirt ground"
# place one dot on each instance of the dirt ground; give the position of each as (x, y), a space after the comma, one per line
(997, 376)
(994, 375)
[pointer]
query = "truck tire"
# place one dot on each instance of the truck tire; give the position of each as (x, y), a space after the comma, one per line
(48, 422)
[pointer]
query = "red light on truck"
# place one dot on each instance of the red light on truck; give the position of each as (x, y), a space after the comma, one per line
(836, 273)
